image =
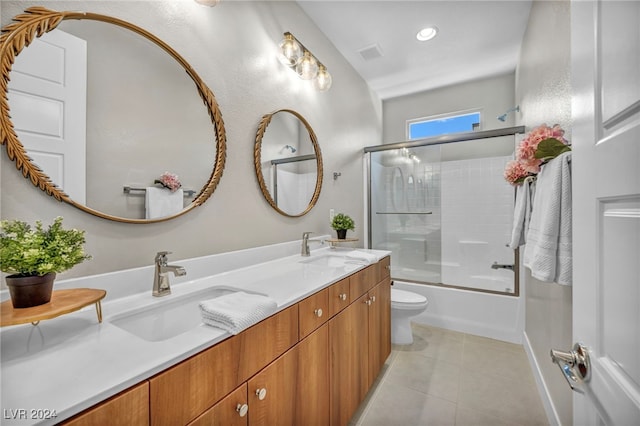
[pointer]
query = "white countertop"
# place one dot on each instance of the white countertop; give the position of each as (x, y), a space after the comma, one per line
(72, 362)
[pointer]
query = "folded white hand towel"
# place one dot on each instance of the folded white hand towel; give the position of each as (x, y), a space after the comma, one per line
(522, 212)
(361, 256)
(236, 311)
(160, 202)
(548, 252)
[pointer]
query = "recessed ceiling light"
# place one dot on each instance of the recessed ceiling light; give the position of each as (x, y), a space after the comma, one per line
(427, 33)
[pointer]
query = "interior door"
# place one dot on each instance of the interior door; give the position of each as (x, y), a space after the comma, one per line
(47, 97)
(606, 205)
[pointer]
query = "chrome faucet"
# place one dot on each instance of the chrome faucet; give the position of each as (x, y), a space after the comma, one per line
(305, 244)
(161, 285)
(496, 265)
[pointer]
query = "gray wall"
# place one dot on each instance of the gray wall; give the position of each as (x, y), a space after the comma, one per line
(543, 90)
(233, 48)
(492, 96)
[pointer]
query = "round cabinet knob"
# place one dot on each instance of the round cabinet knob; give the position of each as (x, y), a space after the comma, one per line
(368, 302)
(343, 296)
(318, 312)
(242, 409)
(388, 267)
(373, 298)
(261, 393)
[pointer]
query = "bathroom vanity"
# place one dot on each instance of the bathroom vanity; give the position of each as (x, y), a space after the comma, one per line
(311, 363)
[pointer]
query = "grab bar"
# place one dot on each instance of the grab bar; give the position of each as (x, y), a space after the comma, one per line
(404, 212)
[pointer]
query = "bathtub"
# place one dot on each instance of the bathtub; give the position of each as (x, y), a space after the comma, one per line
(490, 315)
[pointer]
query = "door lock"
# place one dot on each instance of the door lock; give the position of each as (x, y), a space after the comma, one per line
(574, 365)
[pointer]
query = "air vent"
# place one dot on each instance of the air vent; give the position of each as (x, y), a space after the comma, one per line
(370, 52)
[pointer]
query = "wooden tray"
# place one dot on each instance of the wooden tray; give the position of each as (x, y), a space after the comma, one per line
(62, 302)
(333, 241)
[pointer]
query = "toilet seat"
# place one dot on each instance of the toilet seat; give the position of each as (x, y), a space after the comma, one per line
(402, 299)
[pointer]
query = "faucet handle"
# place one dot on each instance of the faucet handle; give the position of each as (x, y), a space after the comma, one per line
(161, 256)
(306, 234)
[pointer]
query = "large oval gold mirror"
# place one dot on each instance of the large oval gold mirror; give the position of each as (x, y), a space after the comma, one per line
(95, 109)
(288, 162)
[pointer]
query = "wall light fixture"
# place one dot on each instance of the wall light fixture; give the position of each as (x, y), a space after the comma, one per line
(294, 55)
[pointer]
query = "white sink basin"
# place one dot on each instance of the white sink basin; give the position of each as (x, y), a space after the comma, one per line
(326, 261)
(170, 318)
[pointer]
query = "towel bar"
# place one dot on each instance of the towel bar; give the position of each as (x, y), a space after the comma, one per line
(129, 189)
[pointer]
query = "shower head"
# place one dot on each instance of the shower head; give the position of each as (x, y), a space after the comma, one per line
(289, 147)
(503, 117)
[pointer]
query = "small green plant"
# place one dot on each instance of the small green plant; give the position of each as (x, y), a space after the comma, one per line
(342, 221)
(25, 251)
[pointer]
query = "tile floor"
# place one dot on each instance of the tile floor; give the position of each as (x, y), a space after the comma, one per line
(451, 378)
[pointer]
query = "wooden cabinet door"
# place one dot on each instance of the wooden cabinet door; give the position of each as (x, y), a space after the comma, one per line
(339, 296)
(312, 385)
(129, 408)
(379, 327)
(272, 392)
(348, 369)
(230, 411)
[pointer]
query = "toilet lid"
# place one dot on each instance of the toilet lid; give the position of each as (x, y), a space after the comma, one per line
(402, 296)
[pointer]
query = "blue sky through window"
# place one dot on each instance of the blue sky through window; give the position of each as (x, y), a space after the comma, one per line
(443, 126)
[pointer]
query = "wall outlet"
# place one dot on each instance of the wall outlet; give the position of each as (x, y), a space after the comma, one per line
(332, 213)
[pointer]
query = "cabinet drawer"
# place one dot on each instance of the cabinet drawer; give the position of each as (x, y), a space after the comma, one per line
(384, 268)
(226, 412)
(338, 296)
(130, 407)
(313, 312)
(362, 281)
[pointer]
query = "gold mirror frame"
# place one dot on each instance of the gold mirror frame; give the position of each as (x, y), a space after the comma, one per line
(38, 21)
(257, 157)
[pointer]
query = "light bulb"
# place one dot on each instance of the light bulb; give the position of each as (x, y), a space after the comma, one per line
(290, 51)
(307, 68)
(209, 3)
(322, 81)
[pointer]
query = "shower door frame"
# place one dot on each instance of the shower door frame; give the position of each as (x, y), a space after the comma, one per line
(441, 140)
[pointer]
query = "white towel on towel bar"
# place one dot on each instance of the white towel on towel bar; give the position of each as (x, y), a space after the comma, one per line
(161, 202)
(236, 311)
(522, 212)
(548, 252)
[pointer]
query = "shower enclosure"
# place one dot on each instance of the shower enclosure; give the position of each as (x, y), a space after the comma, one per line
(442, 207)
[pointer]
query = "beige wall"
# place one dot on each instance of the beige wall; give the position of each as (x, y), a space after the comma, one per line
(492, 96)
(543, 90)
(233, 48)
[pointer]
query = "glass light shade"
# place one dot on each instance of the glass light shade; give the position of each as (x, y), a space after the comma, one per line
(209, 3)
(307, 68)
(290, 51)
(427, 33)
(322, 82)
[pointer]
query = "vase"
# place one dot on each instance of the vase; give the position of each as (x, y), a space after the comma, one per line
(32, 290)
(342, 233)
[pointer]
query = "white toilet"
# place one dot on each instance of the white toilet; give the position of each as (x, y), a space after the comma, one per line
(404, 305)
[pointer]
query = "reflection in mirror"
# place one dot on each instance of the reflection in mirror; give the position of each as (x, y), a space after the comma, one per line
(288, 162)
(132, 114)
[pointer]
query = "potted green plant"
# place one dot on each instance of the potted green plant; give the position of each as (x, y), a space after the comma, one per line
(341, 223)
(33, 256)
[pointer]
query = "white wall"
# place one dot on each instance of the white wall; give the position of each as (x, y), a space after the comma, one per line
(543, 91)
(233, 48)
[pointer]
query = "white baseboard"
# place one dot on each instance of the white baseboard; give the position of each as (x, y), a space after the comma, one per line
(547, 402)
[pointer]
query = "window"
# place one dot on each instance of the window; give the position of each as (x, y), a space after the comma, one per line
(442, 125)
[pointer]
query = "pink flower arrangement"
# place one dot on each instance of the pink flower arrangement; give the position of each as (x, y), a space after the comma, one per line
(530, 155)
(170, 181)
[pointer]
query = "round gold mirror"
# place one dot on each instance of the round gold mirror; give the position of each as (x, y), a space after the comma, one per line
(129, 113)
(288, 162)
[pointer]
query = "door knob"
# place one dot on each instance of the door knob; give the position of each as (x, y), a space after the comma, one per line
(261, 393)
(574, 365)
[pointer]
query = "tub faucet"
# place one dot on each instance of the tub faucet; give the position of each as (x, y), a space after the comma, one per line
(161, 285)
(305, 244)
(496, 265)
